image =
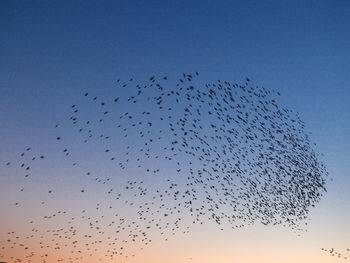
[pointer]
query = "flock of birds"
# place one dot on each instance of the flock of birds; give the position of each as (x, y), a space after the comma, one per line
(334, 253)
(194, 152)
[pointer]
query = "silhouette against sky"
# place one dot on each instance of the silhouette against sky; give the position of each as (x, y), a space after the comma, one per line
(53, 53)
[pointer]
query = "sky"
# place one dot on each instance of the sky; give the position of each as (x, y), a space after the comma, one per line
(53, 52)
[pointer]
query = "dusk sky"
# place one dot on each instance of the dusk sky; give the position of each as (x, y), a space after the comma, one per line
(53, 53)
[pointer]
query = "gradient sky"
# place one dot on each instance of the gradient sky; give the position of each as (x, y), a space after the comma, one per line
(52, 52)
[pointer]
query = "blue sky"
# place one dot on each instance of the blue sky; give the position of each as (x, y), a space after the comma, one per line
(52, 52)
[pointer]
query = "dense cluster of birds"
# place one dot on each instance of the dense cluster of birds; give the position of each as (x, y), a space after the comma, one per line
(194, 152)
